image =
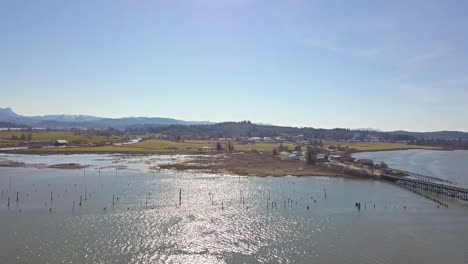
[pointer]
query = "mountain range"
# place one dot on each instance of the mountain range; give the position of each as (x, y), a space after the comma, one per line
(8, 118)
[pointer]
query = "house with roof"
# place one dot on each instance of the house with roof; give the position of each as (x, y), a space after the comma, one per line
(60, 142)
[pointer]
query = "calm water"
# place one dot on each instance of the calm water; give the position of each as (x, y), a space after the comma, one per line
(212, 225)
(449, 165)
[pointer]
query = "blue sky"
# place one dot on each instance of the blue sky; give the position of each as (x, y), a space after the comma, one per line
(381, 64)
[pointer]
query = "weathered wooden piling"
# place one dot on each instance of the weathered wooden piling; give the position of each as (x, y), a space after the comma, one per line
(73, 208)
(80, 200)
(358, 206)
(8, 202)
(51, 197)
(180, 196)
(113, 199)
(17, 197)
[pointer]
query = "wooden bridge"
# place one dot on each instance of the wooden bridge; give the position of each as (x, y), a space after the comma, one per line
(446, 190)
(421, 177)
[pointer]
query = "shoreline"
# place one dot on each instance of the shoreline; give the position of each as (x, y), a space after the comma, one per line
(71, 151)
(260, 165)
(400, 149)
(239, 164)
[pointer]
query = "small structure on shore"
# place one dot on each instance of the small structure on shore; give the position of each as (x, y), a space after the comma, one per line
(208, 149)
(60, 142)
(366, 162)
(321, 158)
(295, 155)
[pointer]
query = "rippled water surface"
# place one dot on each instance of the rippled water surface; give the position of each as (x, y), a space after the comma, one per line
(219, 219)
(449, 165)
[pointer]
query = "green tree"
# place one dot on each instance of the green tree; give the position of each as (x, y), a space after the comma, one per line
(275, 151)
(218, 146)
(383, 165)
(310, 156)
(282, 148)
(298, 148)
(30, 136)
(230, 147)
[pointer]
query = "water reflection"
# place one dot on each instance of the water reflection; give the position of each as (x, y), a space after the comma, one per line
(221, 219)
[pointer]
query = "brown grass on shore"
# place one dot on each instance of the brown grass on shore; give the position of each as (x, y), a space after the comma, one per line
(253, 164)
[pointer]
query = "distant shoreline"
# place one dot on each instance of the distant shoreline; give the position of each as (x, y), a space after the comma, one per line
(72, 152)
(399, 149)
(240, 163)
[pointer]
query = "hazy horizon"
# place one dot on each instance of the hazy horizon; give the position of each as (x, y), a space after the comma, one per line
(387, 65)
(220, 121)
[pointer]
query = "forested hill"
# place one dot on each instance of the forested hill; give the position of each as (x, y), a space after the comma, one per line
(444, 135)
(11, 125)
(248, 129)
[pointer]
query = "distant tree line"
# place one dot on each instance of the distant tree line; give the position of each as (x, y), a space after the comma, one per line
(21, 137)
(247, 129)
(448, 144)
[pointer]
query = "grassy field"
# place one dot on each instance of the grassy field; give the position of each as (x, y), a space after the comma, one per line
(376, 146)
(159, 146)
(262, 147)
(166, 146)
(54, 135)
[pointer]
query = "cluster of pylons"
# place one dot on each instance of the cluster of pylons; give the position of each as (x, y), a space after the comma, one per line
(358, 205)
(426, 196)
